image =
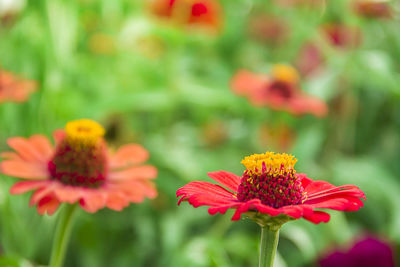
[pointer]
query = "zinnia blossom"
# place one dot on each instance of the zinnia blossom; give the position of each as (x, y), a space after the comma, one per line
(368, 252)
(269, 29)
(280, 91)
(14, 88)
(79, 169)
(189, 12)
(270, 191)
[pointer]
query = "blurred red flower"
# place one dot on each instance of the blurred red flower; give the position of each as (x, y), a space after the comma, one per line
(341, 35)
(80, 169)
(373, 8)
(280, 91)
(14, 88)
(368, 252)
(270, 187)
(190, 12)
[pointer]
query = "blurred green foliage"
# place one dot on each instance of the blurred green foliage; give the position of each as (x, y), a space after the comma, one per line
(166, 87)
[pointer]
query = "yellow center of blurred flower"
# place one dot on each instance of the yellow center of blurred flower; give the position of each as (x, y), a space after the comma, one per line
(84, 131)
(275, 164)
(285, 74)
(80, 158)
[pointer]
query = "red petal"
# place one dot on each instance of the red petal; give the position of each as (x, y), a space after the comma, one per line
(48, 204)
(318, 216)
(204, 193)
(227, 179)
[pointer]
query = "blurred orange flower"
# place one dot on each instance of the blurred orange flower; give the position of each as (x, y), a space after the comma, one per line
(373, 8)
(190, 12)
(79, 169)
(279, 91)
(14, 88)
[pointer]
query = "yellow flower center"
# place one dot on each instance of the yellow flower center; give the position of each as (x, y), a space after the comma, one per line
(80, 158)
(84, 131)
(275, 164)
(272, 179)
(285, 74)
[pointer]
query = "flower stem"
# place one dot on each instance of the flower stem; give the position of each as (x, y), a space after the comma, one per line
(269, 244)
(62, 235)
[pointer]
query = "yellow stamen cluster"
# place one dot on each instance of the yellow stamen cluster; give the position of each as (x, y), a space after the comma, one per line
(285, 73)
(275, 164)
(84, 131)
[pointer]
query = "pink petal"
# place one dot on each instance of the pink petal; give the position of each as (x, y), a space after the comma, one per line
(135, 172)
(25, 186)
(227, 179)
(10, 156)
(318, 217)
(22, 169)
(127, 155)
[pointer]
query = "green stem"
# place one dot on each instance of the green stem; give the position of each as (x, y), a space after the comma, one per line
(62, 235)
(269, 244)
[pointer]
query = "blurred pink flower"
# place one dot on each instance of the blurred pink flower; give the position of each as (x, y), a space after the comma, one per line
(79, 169)
(368, 252)
(14, 88)
(279, 91)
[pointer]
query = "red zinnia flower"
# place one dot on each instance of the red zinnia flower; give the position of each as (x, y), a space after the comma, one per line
(80, 169)
(13, 88)
(268, 188)
(190, 12)
(279, 92)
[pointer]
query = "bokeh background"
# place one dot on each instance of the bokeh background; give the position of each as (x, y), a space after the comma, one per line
(165, 84)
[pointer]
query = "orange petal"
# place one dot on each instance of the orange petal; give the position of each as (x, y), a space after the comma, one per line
(135, 172)
(70, 194)
(128, 155)
(116, 201)
(42, 145)
(93, 200)
(10, 155)
(245, 82)
(22, 169)
(26, 149)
